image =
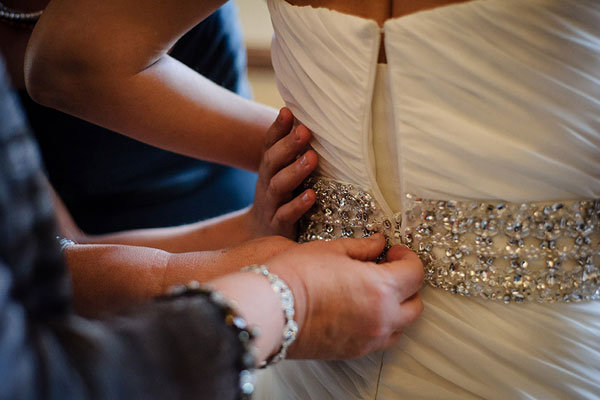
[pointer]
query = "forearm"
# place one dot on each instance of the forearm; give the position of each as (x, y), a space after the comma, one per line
(220, 232)
(111, 277)
(167, 105)
(258, 304)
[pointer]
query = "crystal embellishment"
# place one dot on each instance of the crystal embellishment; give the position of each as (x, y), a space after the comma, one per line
(290, 330)
(510, 252)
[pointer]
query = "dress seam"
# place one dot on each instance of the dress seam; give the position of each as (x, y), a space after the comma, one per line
(367, 129)
(379, 376)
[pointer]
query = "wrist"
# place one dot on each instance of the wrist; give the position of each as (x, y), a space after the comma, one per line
(244, 333)
(299, 291)
(290, 329)
(253, 223)
(258, 304)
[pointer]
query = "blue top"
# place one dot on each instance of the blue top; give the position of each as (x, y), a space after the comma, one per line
(110, 182)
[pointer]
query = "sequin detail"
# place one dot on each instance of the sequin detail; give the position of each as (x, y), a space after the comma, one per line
(512, 252)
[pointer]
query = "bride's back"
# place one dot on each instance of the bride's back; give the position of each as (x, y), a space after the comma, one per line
(379, 11)
(476, 145)
(481, 92)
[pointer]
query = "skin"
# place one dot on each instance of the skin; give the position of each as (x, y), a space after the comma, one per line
(108, 62)
(315, 272)
(325, 278)
(379, 11)
(116, 72)
(116, 270)
(285, 164)
(134, 87)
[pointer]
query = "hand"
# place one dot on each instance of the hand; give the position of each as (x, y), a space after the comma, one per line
(347, 307)
(256, 251)
(275, 211)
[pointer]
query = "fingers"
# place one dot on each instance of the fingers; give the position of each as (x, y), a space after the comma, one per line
(408, 277)
(289, 178)
(392, 340)
(401, 252)
(407, 314)
(411, 308)
(279, 174)
(406, 269)
(291, 212)
(284, 151)
(281, 127)
(364, 249)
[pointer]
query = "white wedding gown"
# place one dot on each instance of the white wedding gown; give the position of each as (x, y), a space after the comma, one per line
(484, 106)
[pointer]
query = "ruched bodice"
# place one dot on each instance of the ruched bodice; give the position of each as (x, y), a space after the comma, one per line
(491, 99)
(477, 145)
(325, 63)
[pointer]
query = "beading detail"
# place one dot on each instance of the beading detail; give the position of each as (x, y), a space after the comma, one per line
(290, 329)
(511, 252)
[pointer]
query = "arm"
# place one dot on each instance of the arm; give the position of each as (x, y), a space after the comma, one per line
(216, 233)
(274, 211)
(107, 278)
(157, 351)
(134, 266)
(164, 349)
(107, 62)
(324, 277)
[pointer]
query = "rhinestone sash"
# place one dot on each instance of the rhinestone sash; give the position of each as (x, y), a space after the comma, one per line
(513, 252)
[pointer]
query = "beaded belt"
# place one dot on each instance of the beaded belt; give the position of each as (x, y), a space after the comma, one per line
(544, 251)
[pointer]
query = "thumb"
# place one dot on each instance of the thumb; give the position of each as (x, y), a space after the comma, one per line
(400, 252)
(363, 249)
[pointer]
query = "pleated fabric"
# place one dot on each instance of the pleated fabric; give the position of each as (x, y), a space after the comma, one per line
(324, 63)
(498, 99)
(491, 100)
(462, 348)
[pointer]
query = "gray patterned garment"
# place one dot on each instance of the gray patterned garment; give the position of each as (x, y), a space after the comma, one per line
(179, 348)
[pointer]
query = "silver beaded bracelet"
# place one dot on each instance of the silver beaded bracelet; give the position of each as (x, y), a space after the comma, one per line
(64, 243)
(290, 329)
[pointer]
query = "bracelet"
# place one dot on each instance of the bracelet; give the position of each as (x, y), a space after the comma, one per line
(290, 329)
(244, 333)
(64, 243)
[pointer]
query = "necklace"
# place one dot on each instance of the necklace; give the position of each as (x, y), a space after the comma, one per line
(19, 18)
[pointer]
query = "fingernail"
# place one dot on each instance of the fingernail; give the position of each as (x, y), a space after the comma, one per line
(304, 161)
(296, 134)
(279, 116)
(305, 197)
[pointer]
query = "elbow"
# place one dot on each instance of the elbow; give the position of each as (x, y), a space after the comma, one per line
(41, 86)
(47, 82)
(56, 75)
(41, 73)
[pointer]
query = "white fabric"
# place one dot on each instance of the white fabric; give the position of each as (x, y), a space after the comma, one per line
(490, 100)
(385, 146)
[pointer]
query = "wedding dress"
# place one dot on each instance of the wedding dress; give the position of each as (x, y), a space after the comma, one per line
(478, 145)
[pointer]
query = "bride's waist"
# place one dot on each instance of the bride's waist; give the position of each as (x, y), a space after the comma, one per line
(540, 251)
